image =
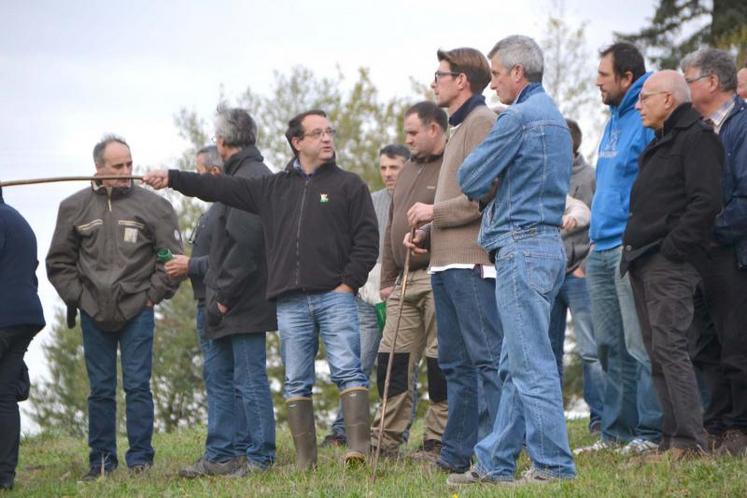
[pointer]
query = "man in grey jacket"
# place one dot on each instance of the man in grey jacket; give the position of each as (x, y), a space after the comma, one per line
(102, 260)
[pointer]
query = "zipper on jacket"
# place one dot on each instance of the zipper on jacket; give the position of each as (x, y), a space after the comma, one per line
(298, 231)
(109, 199)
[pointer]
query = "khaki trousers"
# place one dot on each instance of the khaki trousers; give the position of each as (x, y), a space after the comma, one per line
(417, 335)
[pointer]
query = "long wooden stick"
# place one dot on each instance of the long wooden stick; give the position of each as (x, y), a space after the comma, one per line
(34, 181)
(388, 377)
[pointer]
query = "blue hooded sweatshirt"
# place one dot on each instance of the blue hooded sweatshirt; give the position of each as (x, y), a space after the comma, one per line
(617, 167)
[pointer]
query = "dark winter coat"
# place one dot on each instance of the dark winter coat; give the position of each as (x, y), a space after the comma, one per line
(237, 271)
(19, 301)
(677, 194)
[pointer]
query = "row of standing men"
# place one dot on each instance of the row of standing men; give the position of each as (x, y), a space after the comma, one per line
(489, 279)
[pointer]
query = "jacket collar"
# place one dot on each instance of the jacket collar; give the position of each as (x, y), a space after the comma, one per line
(682, 117)
(469, 105)
(631, 96)
(116, 192)
(2, 201)
(528, 91)
(740, 105)
(234, 162)
(294, 167)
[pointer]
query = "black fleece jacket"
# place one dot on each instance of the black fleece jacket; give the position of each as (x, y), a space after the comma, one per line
(677, 193)
(320, 231)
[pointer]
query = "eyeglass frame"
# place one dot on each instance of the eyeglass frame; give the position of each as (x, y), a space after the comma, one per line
(643, 98)
(319, 133)
(440, 74)
(701, 77)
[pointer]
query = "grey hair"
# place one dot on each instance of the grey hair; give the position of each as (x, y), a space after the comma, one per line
(680, 90)
(212, 159)
(100, 147)
(714, 61)
(519, 50)
(236, 127)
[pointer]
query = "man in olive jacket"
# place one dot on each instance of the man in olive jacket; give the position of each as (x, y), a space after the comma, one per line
(321, 241)
(673, 204)
(102, 260)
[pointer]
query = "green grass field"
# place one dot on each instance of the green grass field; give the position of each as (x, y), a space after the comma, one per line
(52, 465)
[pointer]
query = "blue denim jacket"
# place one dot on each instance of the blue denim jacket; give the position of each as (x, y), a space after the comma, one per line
(528, 152)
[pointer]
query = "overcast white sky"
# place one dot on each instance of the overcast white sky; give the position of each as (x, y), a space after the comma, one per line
(71, 71)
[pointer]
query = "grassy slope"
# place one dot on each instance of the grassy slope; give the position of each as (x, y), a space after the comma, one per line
(50, 466)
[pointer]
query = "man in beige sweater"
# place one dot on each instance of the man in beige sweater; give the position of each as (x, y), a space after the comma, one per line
(425, 131)
(462, 277)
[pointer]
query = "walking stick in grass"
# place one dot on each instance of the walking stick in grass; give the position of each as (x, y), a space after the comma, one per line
(55, 179)
(388, 377)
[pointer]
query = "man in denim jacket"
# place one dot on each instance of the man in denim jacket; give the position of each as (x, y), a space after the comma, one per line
(526, 160)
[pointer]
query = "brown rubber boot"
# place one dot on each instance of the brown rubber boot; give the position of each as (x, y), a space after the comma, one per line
(303, 430)
(356, 412)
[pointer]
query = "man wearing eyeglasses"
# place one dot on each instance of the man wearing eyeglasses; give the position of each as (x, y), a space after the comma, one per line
(673, 203)
(462, 277)
(321, 239)
(711, 75)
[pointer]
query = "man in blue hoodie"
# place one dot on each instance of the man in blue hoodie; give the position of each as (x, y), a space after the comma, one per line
(631, 413)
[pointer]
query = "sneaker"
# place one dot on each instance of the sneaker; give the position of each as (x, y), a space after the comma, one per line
(428, 453)
(600, 445)
(472, 477)
(334, 441)
(249, 468)
(140, 469)
(638, 446)
(203, 467)
(734, 443)
(533, 476)
(95, 473)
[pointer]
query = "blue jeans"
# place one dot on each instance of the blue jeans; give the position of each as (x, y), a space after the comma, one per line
(370, 336)
(529, 273)
(241, 420)
(302, 319)
(469, 350)
(631, 408)
(574, 295)
(135, 341)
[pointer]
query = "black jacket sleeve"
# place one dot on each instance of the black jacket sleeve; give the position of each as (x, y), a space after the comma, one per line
(702, 165)
(237, 192)
(365, 229)
(197, 267)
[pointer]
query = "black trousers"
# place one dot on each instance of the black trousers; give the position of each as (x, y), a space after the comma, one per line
(721, 348)
(663, 293)
(13, 345)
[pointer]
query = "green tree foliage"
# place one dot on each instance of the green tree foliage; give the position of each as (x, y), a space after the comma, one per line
(681, 26)
(570, 71)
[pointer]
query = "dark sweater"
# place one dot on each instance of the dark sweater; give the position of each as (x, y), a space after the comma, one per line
(19, 301)
(320, 231)
(677, 194)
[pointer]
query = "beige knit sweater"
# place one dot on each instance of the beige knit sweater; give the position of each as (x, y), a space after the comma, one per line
(456, 220)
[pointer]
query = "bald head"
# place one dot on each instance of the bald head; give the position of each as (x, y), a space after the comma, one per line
(661, 94)
(672, 82)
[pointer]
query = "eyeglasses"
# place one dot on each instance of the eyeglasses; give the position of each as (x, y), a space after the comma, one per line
(319, 133)
(693, 80)
(643, 97)
(441, 74)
